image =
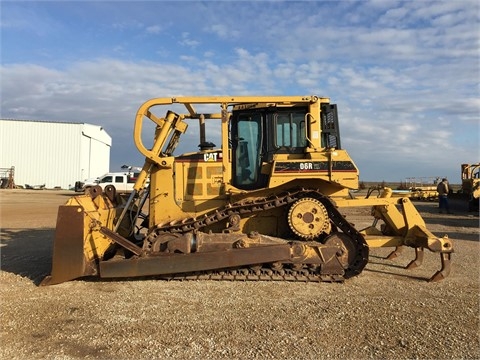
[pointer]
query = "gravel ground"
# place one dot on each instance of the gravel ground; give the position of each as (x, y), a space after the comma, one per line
(384, 313)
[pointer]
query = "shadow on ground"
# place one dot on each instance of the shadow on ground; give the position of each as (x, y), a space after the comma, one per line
(27, 253)
(465, 223)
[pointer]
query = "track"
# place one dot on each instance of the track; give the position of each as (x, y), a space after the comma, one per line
(263, 274)
(342, 230)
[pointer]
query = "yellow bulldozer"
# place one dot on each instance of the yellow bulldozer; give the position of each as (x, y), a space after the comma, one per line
(471, 184)
(264, 205)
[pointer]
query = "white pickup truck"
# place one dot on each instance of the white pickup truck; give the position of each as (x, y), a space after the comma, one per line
(123, 182)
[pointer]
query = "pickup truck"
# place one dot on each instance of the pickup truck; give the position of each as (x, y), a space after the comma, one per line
(123, 182)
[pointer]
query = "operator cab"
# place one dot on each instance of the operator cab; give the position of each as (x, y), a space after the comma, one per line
(258, 132)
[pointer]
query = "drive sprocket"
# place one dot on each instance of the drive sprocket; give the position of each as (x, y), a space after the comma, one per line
(308, 218)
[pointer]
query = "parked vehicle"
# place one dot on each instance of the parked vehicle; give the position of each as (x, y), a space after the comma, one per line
(123, 182)
(35, 187)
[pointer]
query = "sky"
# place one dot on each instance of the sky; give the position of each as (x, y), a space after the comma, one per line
(404, 74)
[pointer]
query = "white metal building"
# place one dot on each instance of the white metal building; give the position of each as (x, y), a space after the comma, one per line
(54, 154)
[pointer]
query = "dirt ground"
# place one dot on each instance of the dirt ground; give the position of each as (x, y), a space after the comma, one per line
(384, 313)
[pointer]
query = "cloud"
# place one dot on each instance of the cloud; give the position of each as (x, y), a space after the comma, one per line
(187, 41)
(107, 92)
(222, 31)
(154, 29)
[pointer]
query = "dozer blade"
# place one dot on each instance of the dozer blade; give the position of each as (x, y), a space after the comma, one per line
(68, 261)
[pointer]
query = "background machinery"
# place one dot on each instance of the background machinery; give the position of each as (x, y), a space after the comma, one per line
(471, 185)
(265, 205)
(423, 188)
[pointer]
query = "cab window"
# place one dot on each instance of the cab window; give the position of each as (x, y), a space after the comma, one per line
(290, 130)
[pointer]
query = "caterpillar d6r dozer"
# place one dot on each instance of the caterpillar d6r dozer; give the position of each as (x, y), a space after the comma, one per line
(265, 205)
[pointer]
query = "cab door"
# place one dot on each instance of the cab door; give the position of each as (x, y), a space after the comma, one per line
(247, 140)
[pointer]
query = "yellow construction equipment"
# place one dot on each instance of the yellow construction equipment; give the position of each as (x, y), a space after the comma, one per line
(471, 184)
(423, 188)
(264, 205)
(428, 193)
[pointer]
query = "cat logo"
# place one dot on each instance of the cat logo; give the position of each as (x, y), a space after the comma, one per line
(210, 157)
